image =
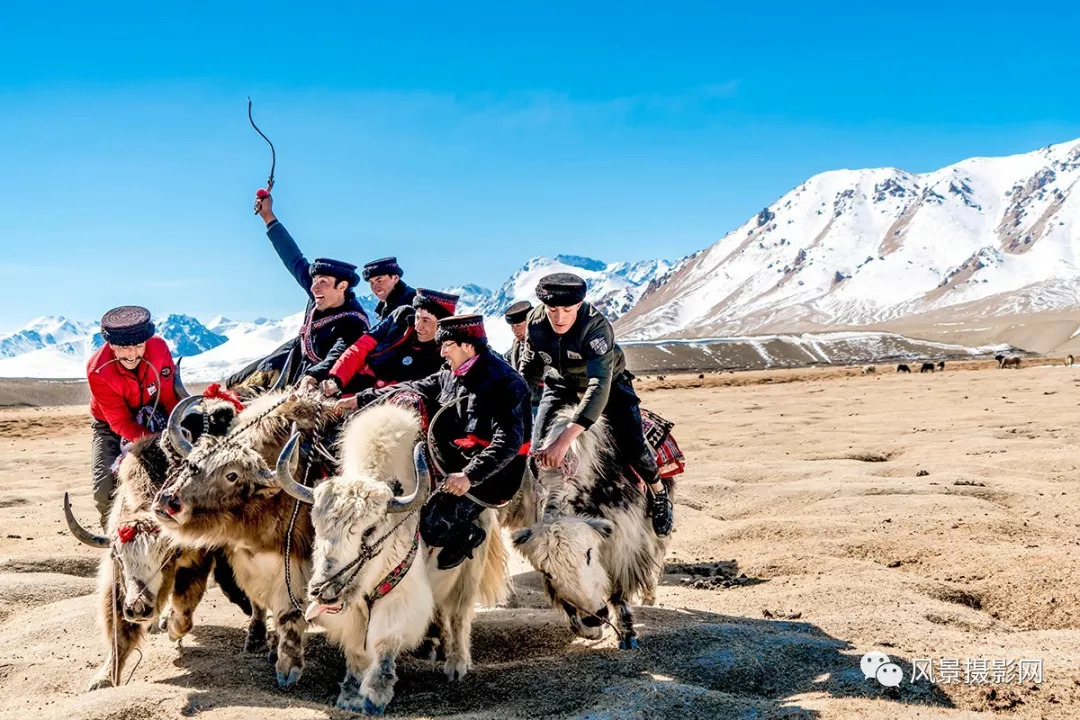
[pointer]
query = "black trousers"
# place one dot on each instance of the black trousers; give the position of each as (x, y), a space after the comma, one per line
(447, 520)
(623, 415)
(104, 449)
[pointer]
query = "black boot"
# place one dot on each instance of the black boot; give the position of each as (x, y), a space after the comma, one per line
(659, 507)
(455, 552)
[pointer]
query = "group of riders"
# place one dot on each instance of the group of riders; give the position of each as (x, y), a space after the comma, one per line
(499, 407)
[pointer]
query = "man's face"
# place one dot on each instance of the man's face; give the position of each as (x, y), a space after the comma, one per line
(329, 292)
(562, 318)
(455, 353)
(381, 285)
(426, 325)
(129, 356)
(519, 329)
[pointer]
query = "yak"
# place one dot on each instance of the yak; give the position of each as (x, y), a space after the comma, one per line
(594, 544)
(144, 571)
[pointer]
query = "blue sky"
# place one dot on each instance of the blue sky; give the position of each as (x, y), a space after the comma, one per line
(467, 137)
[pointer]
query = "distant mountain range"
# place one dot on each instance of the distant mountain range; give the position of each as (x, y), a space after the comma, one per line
(57, 347)
(986, 237)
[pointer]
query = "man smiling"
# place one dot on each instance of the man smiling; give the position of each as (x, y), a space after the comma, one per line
(384, 278)
(333, 320)
(132, 391)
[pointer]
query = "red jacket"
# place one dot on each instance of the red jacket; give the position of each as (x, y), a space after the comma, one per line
(117, 393)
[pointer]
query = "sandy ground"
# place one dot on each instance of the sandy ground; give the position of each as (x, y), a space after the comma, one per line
(809, 480)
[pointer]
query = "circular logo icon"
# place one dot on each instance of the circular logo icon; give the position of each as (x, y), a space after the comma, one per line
(166, 372)
(407, 360)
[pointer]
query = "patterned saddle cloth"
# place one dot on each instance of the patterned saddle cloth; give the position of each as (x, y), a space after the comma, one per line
(669, 458)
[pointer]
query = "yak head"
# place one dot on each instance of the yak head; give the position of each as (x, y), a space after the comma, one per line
(140, 555)
(351, 515)
(566, 550)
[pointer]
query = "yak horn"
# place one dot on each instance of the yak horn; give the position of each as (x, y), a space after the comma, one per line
(420, 495)
(283, 475)
(178, 384)
(84, 535)
(176, 435)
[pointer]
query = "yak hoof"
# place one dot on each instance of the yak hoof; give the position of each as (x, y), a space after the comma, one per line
(371, 708)
(629, 643)
(455, 671)
(255, 645)
(99, 684)
(351, 701)
(284, 681)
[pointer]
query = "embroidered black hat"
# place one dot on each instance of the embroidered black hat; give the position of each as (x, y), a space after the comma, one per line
(437, 303)
(382, 266)
(127, 325)
(336, 269)
(518, 312)
(462, 328)
(560, 290)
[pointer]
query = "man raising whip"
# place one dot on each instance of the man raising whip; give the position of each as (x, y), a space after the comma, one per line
(333, 319)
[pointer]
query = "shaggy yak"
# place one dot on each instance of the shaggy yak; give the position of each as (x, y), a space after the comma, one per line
(375, 587)
(903, 368)
(1012, 362)
(927, 367)
(594, 544)
(223, 495)
(144, 568)
(869, 370)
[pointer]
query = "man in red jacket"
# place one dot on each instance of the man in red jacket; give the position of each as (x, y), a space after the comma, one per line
(132, 391)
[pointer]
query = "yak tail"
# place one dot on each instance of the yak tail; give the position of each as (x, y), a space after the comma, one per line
(494, 584)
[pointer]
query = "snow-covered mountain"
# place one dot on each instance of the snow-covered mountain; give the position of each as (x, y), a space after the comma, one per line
(613, 288)
(55, 347)
(861, 247)
(43, 332)
(470, 297)
(187, 336)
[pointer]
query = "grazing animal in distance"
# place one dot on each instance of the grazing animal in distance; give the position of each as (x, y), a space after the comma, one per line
(1013, 362)
(1000, 359)
(1069, 361)
(901, 368)
(941, 365)
(869, 370)
(927, 367)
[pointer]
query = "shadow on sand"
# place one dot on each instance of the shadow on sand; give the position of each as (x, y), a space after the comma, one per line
(691, 663)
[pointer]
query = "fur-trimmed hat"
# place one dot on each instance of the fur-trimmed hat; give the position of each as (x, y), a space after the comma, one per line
(437, 303)
(337, 269)
(127, 325)
(462, 328)
(517, 312)
(560, 290)
(382, 266)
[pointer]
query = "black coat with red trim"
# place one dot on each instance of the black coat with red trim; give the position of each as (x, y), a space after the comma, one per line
(484, 434)
(331, 331)
(390, 353)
